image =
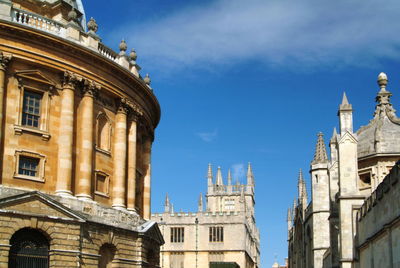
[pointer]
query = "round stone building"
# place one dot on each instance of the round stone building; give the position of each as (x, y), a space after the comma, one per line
(77, 124)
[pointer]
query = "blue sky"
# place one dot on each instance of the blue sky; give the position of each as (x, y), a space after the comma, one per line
(252, 81)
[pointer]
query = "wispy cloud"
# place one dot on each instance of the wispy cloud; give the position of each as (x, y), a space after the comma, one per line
(238, 171)
(275, 32)
(208, 136)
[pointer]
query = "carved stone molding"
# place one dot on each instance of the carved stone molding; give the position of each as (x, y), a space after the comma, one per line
(90, 88)
(122, 105)
(71, 79)
(4, 60)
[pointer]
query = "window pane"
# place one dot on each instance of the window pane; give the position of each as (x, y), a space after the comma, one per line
(28, 166)
(31, 109)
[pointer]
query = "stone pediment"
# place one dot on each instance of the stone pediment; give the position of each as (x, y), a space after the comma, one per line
(39, 205)
(151, 230)
(35, 75)
(348, 137)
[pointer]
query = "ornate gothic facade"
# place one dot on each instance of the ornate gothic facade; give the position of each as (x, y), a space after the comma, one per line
(76, 129)
(224, 232)
(353, 219)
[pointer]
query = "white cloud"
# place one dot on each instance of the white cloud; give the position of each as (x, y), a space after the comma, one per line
(276, 32)
(208, 136)
(238, 171)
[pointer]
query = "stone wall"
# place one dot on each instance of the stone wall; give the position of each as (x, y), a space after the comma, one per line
(378, 231)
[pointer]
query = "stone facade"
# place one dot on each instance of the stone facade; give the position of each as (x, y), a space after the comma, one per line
(345, 224)
(224, 232)
(76, 128)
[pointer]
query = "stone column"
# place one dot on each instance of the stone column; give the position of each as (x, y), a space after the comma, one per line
(4, 60)
(119, 153)
(147, 177)
(85, 143)
(66, 133)
(132, 136)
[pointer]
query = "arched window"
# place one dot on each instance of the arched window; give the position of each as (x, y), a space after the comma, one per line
(107, 254)
(103, 132)
(29, 248)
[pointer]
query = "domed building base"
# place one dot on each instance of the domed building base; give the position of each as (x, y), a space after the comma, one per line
(78, 233)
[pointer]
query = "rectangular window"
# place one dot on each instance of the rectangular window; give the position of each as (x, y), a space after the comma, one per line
(31, 109)
(102, 183)
(28, 166)
(177, 234)
(216, 234)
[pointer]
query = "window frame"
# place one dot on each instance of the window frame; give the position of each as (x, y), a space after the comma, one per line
(177, 234)
(216, 234)
(41, 165)
(35, 82)
(106, 183)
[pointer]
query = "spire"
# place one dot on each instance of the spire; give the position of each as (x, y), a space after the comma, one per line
(334, 136)
(289, 218)
(320, 151)
(229, 177)
(300, 185)
(219, 180)
(209, 175)
(167, 204)
(345, 106)
(200, 207)
(250, 176)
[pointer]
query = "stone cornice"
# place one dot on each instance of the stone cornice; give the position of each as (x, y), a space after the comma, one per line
(118, 84)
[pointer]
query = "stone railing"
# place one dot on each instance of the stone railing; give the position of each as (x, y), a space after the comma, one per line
(107, 52)
(38, 22)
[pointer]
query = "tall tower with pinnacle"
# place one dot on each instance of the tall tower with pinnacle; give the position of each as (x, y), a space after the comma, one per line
(320, 197)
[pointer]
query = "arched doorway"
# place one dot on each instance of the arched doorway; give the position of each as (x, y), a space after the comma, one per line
(107, 253)
(29, 249)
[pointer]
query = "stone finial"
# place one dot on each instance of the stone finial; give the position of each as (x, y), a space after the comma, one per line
(133, 55)
(167, 203)
(92, 26)
(250, 176)
(320, 155)
(345, 105)
(300, 184)
(219, 180)
(122, 47)
(72, 15)
(200, 204)
(334, 135)
(229, 177)
(382, 81)
(209, 171)
(147, 79)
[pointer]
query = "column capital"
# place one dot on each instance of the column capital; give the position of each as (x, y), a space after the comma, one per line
(4, 60)
(71, 79)
(90, 88)
(122, 106)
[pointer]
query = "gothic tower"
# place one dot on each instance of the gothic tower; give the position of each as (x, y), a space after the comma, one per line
(320, 205)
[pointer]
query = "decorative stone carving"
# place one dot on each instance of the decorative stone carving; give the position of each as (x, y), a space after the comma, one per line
(147, 80)
(90, 88)
(122, 47)
(92, 26)
(71, 79)
(133, 55)
(4, 60)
